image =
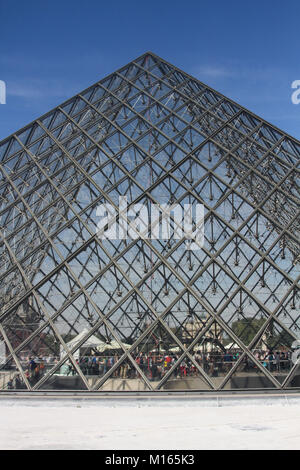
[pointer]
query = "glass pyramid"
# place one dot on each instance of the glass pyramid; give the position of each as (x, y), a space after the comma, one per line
(81, 312)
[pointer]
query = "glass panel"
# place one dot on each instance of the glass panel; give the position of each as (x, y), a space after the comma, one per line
(82, 312)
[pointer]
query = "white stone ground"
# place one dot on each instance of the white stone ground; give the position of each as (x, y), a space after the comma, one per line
(45, 423)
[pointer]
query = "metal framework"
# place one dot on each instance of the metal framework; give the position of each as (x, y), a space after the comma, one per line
(81, 313)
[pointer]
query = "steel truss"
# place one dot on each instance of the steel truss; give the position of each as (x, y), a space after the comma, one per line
(221, 317)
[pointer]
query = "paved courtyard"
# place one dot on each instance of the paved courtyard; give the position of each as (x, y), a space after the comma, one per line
(165, 423)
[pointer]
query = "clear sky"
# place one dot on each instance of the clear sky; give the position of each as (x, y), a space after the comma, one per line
(51, 50)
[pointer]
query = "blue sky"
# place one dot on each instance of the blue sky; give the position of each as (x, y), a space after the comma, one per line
(52, 50)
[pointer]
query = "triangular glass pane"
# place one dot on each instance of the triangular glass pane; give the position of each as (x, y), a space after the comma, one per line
(214, 285)
(157, 353)
(245, 317)
(293, 380)
(64, 378)
(274, 350)
(157, 341)
(131, 318)
(185, 376)
(187, 318)
(10, 375)
(216, 352)
(38, 354)
(247, 375)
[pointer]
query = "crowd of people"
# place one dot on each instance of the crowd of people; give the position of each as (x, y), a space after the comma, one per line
(153, 365)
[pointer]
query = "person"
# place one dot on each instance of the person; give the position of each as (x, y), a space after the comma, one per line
(90, 365)
(101, 363)
(283, 363)
(42, 366)
(211, 366)
(94, 365)
(49, 360)
(165, 364)
(10, 385)
(154, 370)
(193, 369)
(206, 362)
(106, 365)
(142, 362)
(168, 359)
(71, 369)
(116, 372)
(18, 382)
(37, 371)
(82, 364)
(227, 360)
(124, 370)
(277, 360)
(112, 361)
(183, 367)
(271, 361)
(69, 366)
(32, 365)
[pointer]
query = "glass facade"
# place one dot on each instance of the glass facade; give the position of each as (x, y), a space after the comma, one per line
(81, 312)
